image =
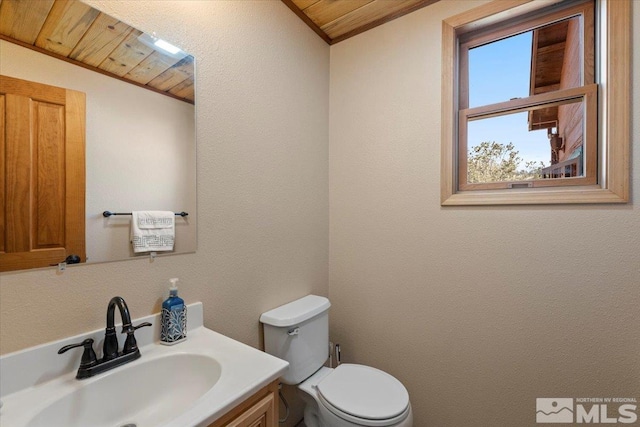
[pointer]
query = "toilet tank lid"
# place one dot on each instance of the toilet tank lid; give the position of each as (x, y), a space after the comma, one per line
(296, 311)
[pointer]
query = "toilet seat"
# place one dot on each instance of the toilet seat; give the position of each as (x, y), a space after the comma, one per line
(364, 395)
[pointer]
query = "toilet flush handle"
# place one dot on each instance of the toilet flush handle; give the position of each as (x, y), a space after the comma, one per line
(293, 331)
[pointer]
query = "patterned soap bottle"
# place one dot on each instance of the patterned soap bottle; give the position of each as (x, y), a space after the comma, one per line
(174, 317)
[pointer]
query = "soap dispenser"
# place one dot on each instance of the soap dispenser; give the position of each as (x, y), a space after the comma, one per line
(174, 317)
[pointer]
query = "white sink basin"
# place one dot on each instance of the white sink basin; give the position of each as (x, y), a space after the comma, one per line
(145, 394)
(190, 384)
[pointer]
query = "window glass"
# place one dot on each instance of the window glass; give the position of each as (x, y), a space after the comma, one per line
(504, 148)
(502, 70)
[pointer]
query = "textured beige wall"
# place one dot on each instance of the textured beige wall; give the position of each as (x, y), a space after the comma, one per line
(262, 158)
(477, 310)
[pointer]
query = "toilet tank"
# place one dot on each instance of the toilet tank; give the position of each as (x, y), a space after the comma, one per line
(298, 332)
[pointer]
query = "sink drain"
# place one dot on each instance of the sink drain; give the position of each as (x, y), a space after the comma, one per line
(129, 425)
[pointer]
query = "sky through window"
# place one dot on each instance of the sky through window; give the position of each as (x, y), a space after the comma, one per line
(500, 71)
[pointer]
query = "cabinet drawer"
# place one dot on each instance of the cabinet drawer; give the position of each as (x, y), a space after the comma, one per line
(260, 410)
(259, 415)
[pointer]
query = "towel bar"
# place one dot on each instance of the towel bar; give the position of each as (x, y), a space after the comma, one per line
(107, 214)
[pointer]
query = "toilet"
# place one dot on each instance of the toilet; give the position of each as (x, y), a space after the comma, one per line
(347, 396)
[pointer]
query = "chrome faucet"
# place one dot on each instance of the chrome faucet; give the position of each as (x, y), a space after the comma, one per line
(111, 358)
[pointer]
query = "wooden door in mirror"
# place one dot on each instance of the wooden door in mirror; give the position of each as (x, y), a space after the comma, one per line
(42, 173)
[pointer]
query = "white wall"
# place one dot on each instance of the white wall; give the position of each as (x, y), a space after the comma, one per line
(477, 310)
(140, 151)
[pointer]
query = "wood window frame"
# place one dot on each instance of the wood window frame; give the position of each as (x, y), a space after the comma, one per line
(613, 76)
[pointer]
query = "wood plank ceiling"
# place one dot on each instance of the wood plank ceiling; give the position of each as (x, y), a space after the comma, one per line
(75, 32)
(337, 20)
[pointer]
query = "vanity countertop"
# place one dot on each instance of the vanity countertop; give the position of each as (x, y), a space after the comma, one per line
(34, 379)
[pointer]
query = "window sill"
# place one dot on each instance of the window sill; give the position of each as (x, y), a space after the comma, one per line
(535, 196)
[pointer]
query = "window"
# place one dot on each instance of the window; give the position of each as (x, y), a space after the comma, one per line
(522, 119)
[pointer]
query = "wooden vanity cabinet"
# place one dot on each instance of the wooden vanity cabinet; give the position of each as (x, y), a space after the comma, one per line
(260, 410)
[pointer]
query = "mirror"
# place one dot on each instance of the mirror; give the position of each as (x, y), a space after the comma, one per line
(140, 114)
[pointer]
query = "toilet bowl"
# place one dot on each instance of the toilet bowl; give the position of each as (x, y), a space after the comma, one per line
(349, 395)
(355, 395)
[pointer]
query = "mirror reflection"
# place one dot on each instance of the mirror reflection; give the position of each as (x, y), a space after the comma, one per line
(137, 133)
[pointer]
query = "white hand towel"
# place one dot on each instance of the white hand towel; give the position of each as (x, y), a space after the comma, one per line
(152, 231)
